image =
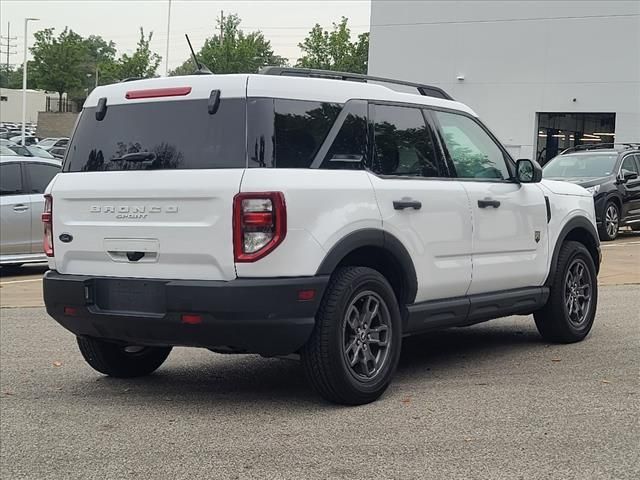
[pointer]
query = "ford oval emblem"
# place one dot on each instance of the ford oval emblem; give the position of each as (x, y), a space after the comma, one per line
(65, 237)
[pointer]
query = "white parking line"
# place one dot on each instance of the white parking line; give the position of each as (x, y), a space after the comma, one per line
(20, 281)
(614, 245)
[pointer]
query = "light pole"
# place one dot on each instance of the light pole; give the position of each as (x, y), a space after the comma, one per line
(24, 79)
(166, 57)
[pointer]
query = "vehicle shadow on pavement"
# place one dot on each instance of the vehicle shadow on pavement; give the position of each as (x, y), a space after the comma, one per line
(23, 271)
(280, 383)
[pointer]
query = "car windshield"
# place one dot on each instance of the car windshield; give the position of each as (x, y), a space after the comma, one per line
(7, 151)
(581, 165)
(39, 152)
(20, 150)
(47, 142)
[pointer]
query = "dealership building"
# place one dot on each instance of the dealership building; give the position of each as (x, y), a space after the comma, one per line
(543, 76)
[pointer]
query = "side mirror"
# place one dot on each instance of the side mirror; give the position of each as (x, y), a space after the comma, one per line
(528, 171)
(627, 175)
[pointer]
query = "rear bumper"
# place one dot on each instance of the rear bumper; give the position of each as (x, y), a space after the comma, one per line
(249, 315)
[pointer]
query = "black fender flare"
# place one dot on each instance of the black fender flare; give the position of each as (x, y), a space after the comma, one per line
(372, 237)
(574, 223)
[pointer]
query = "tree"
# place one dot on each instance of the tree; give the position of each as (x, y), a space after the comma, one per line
(58, 62)
(143, 63)
(334, 50)
(100, 57)
(239, 52)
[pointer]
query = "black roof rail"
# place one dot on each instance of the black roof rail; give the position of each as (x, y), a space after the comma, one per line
(597, 146)
(426, 90)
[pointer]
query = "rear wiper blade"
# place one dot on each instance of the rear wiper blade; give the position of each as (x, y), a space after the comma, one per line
(136, 157)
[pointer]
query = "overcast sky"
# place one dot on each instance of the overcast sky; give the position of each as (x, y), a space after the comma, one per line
(284, 23)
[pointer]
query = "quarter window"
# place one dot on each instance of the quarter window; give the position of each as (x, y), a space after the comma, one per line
(473, 152)
(41, 175)
(10, 179)
(300, 129)
(403, 143)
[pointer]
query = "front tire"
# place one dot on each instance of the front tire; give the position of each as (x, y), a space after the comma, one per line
(354, 349)
(570, 311)
(122, 361)
(610, 223)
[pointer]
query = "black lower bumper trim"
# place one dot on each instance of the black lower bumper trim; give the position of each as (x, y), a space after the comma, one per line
(248, 315)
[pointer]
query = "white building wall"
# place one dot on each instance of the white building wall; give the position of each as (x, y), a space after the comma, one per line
(517, 58)
(11, 108)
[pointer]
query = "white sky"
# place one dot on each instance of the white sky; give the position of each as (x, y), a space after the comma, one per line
(284, 23)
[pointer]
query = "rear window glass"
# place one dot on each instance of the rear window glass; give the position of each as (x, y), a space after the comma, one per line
(158, 136)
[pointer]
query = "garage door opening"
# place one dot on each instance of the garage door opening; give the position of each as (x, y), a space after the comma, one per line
(559, 131)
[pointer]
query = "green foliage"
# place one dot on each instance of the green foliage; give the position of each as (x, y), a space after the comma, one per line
(334, 50)
(239, 52)
(13, 77)
(58, 62)
(143, 63)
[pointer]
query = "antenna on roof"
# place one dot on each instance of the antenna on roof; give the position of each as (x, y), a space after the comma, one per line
(201, 69)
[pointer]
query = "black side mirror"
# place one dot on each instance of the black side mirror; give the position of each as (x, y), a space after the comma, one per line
(627, 175)
(528, 171)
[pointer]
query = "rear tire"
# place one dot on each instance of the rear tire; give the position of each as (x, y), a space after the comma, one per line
(610, 226)
(570, 311)
(354, 349)
(121, 361)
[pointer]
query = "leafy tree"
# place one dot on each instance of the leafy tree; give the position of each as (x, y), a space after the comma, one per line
(334, 50)
(13, 77)
(143, 63)
(239, 52)
(58, 62)
(100, 57)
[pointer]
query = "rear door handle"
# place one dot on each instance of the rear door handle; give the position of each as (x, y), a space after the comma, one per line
(20, 207)
(408, 203)
(487, 202)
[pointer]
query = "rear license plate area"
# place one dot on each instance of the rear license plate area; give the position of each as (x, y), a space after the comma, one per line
(137, 296)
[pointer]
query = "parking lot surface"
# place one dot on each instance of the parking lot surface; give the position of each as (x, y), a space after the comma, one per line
(490, 401)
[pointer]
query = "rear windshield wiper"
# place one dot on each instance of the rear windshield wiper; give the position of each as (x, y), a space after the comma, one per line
(136, 157)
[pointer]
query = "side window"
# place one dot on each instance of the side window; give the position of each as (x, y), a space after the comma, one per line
(348, 149)
(403, 143)
(300, 129)
(472, 150)
(10, 179)
(40, 176)
(629, 165)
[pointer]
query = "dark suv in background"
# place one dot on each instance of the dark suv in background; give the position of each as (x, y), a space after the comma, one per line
(611, 172)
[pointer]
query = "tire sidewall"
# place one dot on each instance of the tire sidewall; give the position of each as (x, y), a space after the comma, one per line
(375, 282)
(604, 230)
(581, 253)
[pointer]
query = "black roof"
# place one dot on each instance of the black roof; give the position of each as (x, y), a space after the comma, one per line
(613, 147)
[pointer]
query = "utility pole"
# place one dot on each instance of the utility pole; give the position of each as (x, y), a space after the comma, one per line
(166, 57)
(7, 47)
(221, 26)
(24, 79)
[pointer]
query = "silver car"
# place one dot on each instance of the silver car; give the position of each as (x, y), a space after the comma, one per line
(22, 184)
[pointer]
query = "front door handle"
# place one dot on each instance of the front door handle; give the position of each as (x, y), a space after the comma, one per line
(487, 202)
(407, 203)
(21, 207)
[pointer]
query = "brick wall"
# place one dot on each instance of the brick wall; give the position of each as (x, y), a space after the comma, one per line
(55, 124)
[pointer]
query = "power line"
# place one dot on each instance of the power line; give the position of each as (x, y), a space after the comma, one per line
(6, 47)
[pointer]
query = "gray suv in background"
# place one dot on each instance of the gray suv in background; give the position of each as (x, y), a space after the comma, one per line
(22, 183)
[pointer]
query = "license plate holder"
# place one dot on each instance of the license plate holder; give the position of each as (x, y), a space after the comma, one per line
(138, 296)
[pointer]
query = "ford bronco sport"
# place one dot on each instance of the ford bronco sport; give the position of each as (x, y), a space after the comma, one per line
(303, 212)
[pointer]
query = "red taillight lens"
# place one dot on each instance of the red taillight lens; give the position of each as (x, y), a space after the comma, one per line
(47, 220)
(259, 224)
(158, 92)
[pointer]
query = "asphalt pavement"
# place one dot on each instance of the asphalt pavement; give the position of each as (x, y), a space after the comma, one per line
(490, 401)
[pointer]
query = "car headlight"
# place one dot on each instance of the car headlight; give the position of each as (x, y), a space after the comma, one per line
(593, 190)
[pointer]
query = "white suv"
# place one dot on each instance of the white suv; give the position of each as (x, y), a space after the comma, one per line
(283, 213)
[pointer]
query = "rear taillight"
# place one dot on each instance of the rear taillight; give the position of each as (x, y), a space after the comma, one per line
(47, 220)
(259, 224)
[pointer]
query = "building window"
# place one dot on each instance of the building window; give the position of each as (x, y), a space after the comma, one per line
(559, 131)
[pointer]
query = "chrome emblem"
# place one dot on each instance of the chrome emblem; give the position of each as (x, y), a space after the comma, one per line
(132, 211)
(536, 236)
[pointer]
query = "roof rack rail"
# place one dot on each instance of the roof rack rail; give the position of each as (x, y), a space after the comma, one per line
(597, 146)
(426, 90)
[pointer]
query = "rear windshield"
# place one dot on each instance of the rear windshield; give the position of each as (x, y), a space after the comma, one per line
(160, 135)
